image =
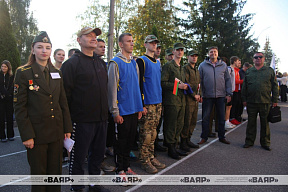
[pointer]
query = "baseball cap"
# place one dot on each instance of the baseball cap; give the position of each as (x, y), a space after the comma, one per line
(86, 30)
(151, 38)
(169, 51)
(178, 46)
(192, 52)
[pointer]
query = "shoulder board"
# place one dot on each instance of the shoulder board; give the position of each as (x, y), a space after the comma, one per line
(24, 67)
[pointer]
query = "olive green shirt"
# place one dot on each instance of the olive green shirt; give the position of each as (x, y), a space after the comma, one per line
(170, 71)
(258, 86)
(192, 77)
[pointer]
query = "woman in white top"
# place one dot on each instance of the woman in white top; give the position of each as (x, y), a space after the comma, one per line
(283, 87)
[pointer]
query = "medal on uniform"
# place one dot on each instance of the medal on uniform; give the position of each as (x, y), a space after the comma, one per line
(36, 87)
(31, 85)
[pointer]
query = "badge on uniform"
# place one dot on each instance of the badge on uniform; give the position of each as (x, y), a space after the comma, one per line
(55, 76)
(31, 87)
(16, 86)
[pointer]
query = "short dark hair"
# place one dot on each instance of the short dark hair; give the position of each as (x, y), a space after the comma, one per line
(122, 36)
(246, 64)
(259, 53)
(212, 47)
(100, 40)
(72, 51)
(233, 59)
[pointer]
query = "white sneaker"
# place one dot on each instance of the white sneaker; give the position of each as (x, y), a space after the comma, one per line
(229, 125)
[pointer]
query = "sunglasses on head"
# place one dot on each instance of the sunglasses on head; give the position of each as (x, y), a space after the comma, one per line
(257, 57)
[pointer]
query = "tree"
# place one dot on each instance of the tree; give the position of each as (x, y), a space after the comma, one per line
(8, 47)
(218, 23)
(268, 53)
(24, 26)
(97, 15)
(154, 17)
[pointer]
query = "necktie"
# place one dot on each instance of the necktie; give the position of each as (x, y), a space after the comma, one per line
(47, 76)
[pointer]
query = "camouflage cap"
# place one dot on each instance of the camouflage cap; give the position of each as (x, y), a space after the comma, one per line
(169, 51)
(42, 37)
(87, 30)
(178, 46)
(151, 38)
(158, 45)
(192, 52)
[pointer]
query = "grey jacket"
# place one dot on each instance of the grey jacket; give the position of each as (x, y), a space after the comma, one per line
(215, 81)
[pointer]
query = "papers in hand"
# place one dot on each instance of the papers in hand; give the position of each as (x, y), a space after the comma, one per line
(68, 144)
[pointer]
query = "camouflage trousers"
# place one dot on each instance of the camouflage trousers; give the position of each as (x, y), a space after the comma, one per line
(147, 132)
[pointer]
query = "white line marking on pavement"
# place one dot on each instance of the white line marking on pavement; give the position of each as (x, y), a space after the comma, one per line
(9, 154)
(180, 161)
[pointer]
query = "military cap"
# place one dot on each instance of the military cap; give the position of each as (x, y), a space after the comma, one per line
(169, 51)
(151, 38)
(178, 46)
(42, 37)
(87, 30)
(158, 45)
(192, 52)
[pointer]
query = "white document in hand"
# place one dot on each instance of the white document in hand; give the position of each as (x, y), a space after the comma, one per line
(68, 144)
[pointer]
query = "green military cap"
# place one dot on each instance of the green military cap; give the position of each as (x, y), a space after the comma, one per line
(87, 30)
(192, 52)
(178, 46)
(169, 51)
(42, 37)
(151, 38)
(158, 45)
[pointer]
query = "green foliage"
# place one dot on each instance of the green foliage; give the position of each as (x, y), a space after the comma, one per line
(154, 17)
(268, 53)
(218, 23)
(97, 15)
(8, 47)
(24, 26)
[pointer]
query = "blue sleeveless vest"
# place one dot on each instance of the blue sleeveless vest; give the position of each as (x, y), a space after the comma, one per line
(128, 90)
(152, 81)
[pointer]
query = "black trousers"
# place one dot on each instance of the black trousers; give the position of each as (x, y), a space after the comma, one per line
(125, 136)
(90, 139)
(6, 113)
(110, 131)
(46, 159)
(283, 92)
(237, 106)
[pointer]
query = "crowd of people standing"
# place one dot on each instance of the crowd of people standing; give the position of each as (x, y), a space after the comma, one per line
(79, 97)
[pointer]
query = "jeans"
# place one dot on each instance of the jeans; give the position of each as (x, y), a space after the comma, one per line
(207, 107)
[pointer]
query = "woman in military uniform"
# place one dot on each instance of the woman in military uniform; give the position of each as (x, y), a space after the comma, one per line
(41, 111)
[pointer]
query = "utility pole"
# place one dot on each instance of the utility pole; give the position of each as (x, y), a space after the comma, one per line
(111, 31)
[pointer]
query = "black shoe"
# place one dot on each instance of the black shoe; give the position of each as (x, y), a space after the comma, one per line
(98, 188)
(159, 148)
(212, 135)
(266, 148)
(184, 146)
(224, 141)
(191, 144)
(172, 152)
(181, 153)
(247, 146)
(11, 139)
(3, 140)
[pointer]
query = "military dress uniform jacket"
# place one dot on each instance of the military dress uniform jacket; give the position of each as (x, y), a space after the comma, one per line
(258, 85)
(192, 77)
(41, 111)
(169, 71)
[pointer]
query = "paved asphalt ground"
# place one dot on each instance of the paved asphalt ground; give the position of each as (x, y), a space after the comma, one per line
(212, 158)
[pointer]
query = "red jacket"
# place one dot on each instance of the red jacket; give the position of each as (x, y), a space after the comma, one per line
(238, 82)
